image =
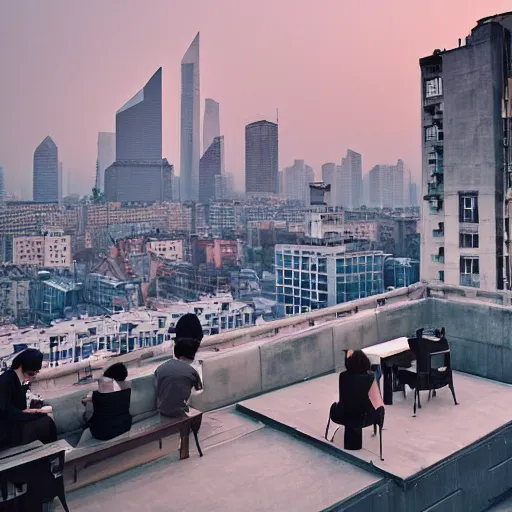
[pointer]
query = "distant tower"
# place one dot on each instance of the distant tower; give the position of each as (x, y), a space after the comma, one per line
(2, 186)
(211, 123)
(106, 156)
(211, 166)
(261, 158)
(139, 172)
(190, 123)
(46, 172)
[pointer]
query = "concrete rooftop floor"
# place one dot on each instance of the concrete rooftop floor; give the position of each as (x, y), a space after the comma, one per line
(409, 444)
(246, 466)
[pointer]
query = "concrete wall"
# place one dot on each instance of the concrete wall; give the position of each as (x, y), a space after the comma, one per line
(480, 336)
(237, 373)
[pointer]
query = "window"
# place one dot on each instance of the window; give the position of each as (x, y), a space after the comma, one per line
(468, 240)
(433, 87)
(431, 133)
(468, 208)
(470, 271)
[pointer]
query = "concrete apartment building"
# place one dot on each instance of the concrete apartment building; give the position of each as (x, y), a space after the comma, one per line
(52, 250)
(169, 249)
(466, 176)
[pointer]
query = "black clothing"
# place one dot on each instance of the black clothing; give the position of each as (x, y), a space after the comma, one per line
(354, 408)
(16, 426)
(111, 416)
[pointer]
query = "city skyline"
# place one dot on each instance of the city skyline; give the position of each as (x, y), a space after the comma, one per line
(30, 112)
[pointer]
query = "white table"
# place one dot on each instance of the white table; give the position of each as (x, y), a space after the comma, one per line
(389, 354)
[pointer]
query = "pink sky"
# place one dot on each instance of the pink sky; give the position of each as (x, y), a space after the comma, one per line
(343, 73)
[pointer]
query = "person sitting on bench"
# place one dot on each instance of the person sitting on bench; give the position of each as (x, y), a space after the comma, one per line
(20, 425)
(108, 409)
(177, 377)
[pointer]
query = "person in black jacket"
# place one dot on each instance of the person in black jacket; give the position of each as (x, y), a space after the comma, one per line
(18, 424)
(110, 404)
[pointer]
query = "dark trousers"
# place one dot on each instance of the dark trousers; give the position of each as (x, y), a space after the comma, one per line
(42, 429)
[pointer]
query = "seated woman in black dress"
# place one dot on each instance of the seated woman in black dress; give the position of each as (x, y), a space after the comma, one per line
(110, 413)
(360, 403)
(18, 424)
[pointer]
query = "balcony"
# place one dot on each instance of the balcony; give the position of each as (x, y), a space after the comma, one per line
(437, 258)
(438, 233)
(273, 363)
(472, 280)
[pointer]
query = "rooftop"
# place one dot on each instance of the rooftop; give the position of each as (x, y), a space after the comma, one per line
(267, 394)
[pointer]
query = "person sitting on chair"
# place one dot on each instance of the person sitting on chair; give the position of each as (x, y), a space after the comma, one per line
(176, 378)
(108, 409)
(18, 424)
(360, 403)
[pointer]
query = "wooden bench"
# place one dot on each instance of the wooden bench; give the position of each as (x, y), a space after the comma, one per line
(32, 475)
(154, 428)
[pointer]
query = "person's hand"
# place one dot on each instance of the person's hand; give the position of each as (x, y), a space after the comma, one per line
(32, 411)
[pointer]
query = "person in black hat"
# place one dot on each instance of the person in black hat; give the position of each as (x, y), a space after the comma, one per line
(176, 378)
(18, 424)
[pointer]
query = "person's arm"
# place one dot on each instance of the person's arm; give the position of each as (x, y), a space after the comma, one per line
(374, 395)
(198, 385)
(9, 412)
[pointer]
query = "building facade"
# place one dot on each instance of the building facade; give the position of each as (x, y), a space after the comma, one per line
(312, 277)
(261, 158)
(386, 186)
(296, 180)
(466, 124)
(211, 166)
(46, 183)
(190, 123)
(171, 250)
(211, 123)
(349, 181)
(139, 173)
(52, 250)
(106, 156)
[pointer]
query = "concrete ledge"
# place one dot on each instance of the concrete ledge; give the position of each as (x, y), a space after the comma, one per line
(229, 377)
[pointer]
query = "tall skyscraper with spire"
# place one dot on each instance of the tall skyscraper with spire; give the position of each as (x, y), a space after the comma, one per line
(211, 123)
(139, 172)
(190, 123)
(46, 172)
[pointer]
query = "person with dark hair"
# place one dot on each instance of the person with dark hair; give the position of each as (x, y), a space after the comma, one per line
(108, 408)
(360, 402)
(18, 424)
(176, 378)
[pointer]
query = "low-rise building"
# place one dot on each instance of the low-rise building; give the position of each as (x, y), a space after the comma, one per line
(312, 277)
(169, 249)
(52, 250)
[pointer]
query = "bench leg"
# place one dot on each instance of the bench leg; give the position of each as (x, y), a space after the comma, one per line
(185, 442)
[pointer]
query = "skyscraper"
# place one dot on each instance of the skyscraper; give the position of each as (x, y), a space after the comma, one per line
(139, 172)
(106, 156)
(296, 180)
(466, 109)
(261, 158)
(329, 177)
(46, 172)
(386, 186)
(190, 123)
(349, 189)
(211, 166)
(2, 186)
(211, 123)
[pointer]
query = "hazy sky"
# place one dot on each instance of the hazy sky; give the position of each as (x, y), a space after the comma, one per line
(343, 73)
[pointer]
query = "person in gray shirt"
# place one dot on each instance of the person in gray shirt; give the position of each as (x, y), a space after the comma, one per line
(176, 378)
